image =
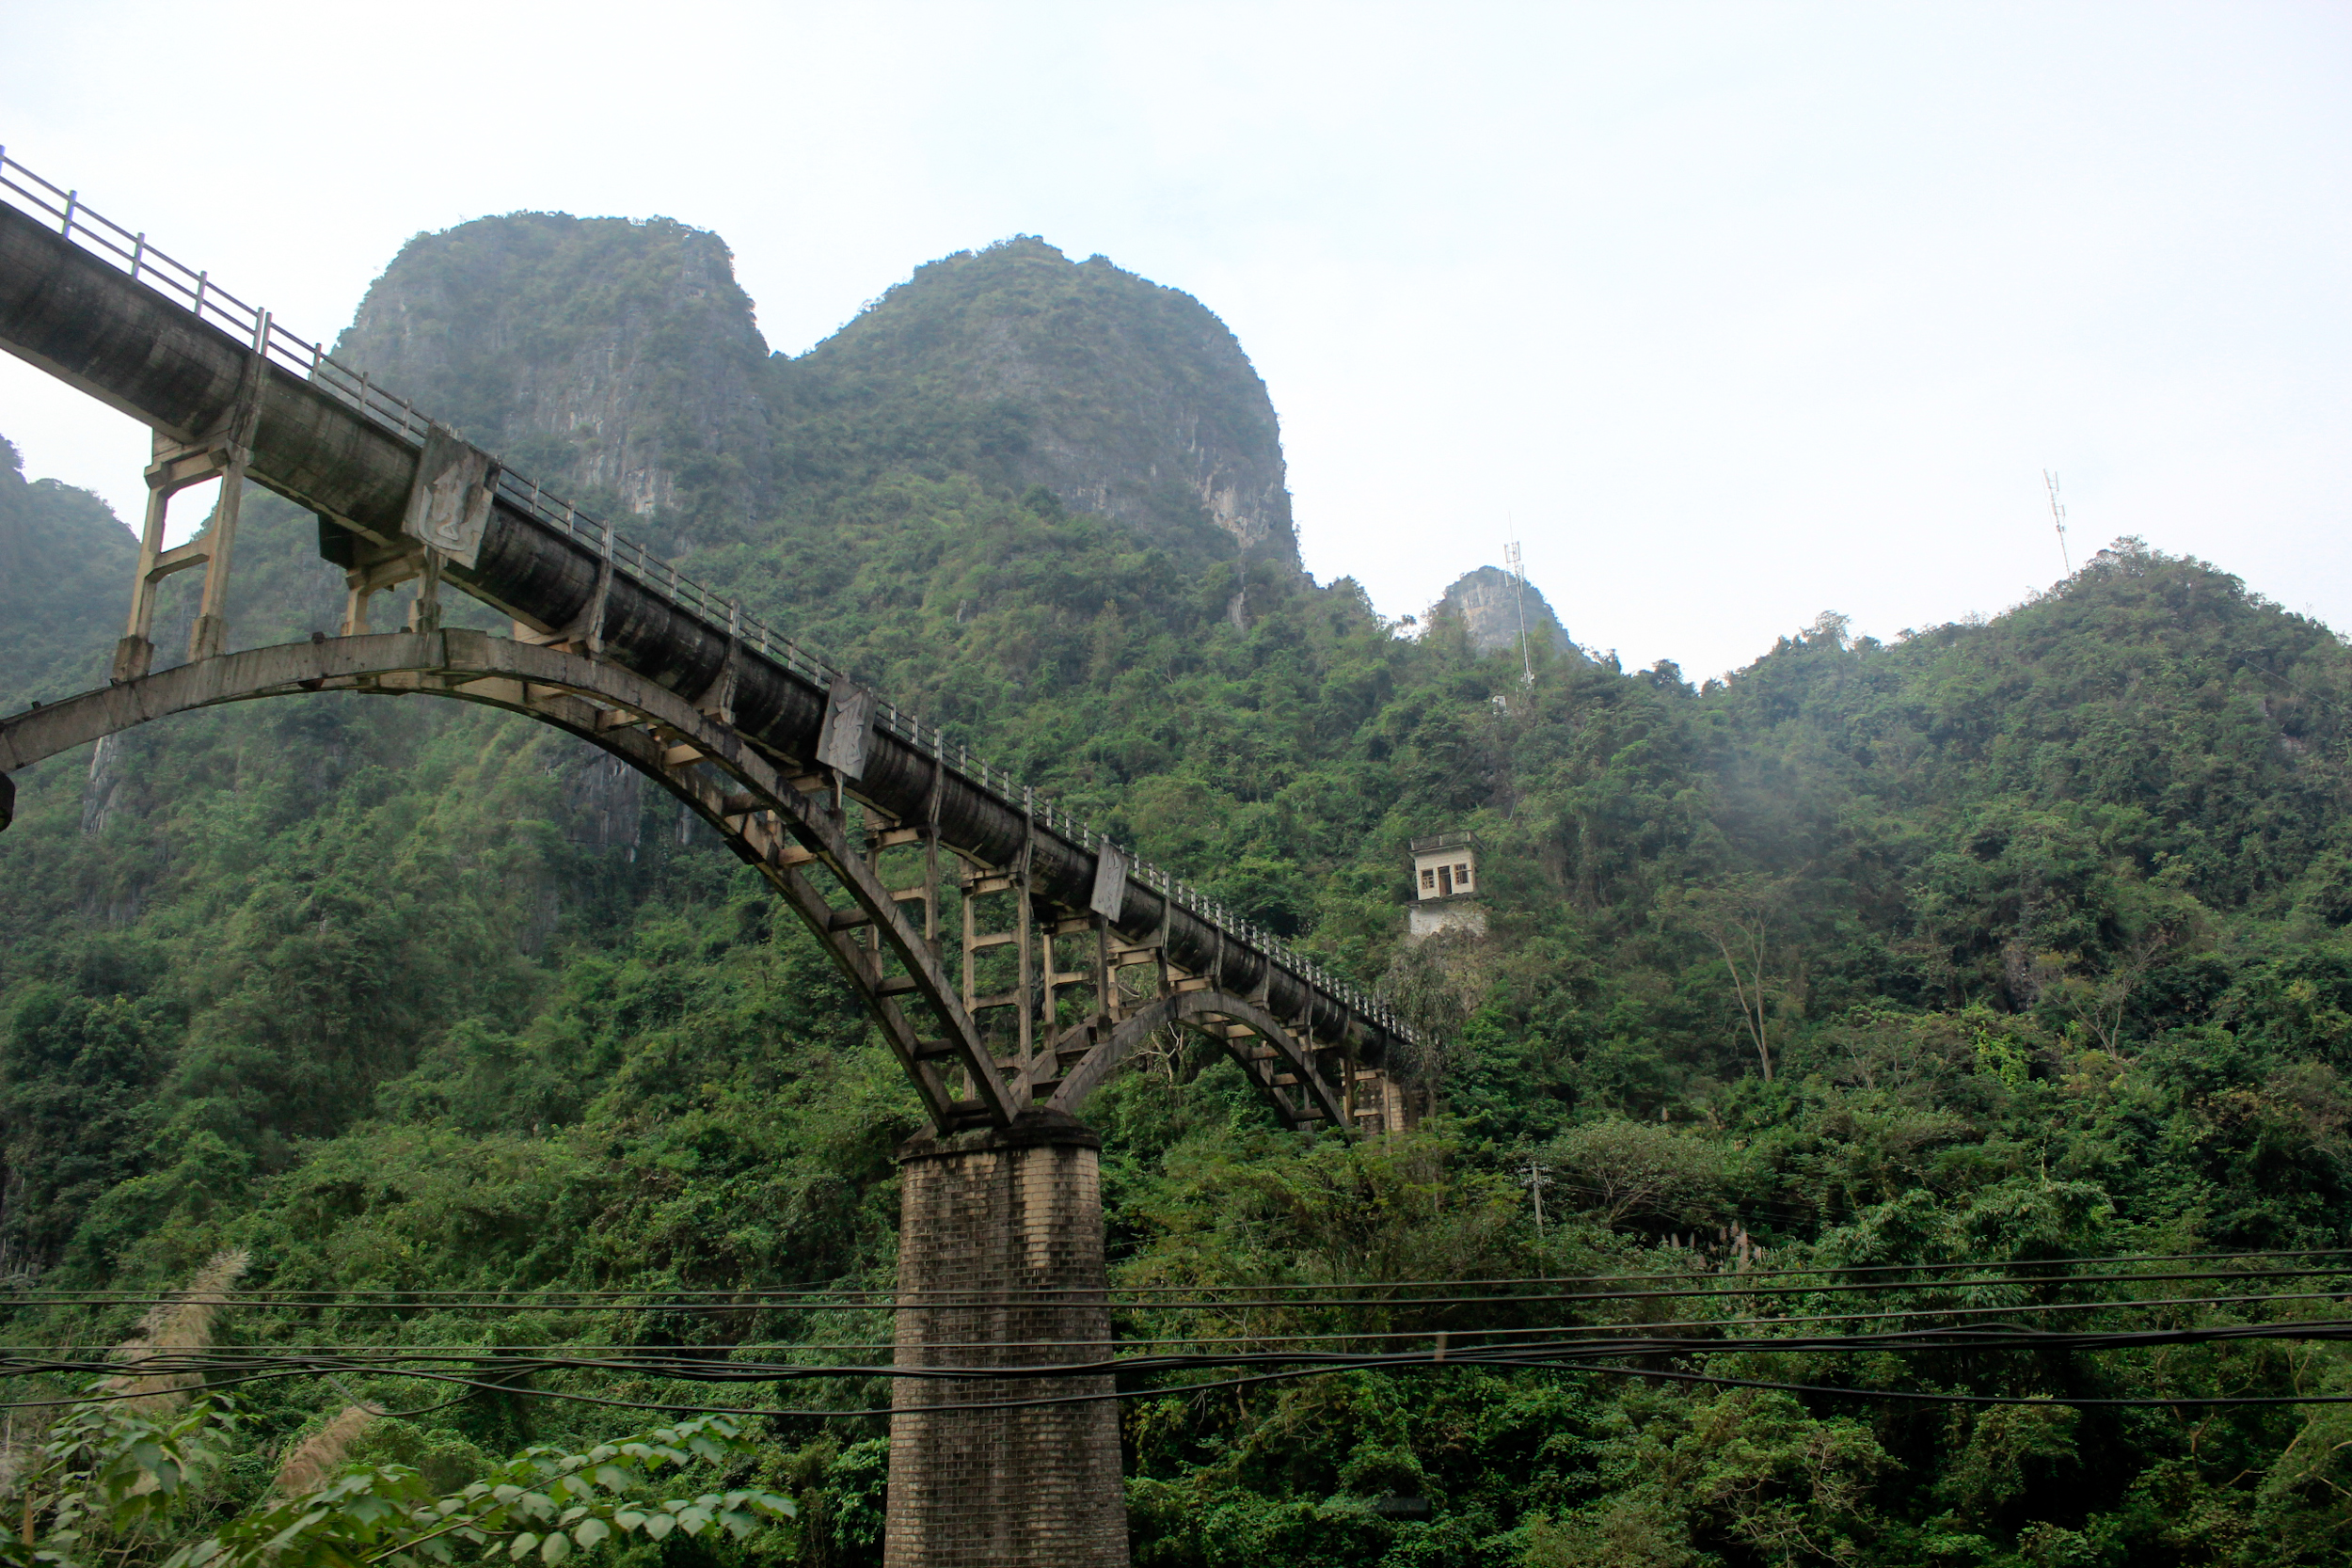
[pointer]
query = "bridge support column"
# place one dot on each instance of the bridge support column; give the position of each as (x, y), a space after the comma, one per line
(224, 454)
(1000, 1247)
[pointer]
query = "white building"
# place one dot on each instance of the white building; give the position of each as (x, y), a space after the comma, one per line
(1444, 867)
(1445, 879)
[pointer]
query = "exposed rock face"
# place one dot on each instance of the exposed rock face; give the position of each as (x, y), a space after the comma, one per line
(1489, 601)
(607, 798)
(103, 791)
(1019, 365)
(618, 362)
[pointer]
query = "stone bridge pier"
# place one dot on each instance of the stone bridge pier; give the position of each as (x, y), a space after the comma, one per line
(1000, 1264)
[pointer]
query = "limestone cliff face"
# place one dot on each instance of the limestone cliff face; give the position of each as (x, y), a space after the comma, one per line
(616, 362)
(1489, 602)
(619, 364)
(1019, 365)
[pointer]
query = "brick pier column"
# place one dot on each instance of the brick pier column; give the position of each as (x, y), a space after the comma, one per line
(1000, 1243)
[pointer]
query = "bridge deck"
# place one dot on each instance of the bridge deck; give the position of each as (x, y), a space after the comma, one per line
(96, 307)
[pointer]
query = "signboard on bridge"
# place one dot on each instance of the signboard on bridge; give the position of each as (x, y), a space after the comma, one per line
(449, 506)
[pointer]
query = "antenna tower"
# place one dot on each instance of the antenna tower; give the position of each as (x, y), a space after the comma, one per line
(2057, 516)
(1518, 591)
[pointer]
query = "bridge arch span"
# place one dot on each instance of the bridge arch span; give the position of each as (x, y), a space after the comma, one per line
(793, 829)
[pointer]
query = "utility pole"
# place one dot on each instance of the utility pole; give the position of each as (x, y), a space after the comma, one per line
(1518, 591)
(1536, 1180)
(2057, 516)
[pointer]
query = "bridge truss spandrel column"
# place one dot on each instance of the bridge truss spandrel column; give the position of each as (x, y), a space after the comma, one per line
(1000, 1264)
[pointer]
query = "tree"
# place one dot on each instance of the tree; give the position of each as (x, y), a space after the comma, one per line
(1739, 917)
(1623, 1170)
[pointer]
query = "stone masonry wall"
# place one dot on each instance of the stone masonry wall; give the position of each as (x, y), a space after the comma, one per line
(1000, 1255)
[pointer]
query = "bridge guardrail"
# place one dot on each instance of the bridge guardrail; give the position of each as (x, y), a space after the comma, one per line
(195, 291)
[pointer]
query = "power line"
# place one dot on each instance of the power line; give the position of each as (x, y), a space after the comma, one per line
(2070, 1400)
(783, 1299)
(1836, 1271)
(1726, 1285)
(1631, 1339)
(1576, 1357)
(100, 1356)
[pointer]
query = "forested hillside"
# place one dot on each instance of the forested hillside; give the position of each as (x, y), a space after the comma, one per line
(2013, 940)
(63, 557)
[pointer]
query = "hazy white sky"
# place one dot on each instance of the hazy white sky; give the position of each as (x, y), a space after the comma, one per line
(1737, 312)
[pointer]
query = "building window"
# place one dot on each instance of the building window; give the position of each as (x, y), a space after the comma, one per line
(1461, 878)
(1428, 880)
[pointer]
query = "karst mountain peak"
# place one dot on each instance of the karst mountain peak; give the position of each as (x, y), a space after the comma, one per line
(620, 360)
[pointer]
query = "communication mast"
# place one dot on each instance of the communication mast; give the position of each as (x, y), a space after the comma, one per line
(2057, 516)
(1518, 591)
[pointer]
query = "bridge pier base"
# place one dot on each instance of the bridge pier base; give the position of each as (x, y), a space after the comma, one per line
(1000, 1264)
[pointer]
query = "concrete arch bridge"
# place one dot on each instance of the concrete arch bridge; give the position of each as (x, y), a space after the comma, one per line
(1011, 957)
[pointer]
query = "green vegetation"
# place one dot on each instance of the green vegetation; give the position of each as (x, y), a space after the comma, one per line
(2010, 940)
(1012, 366)
(64, 557)
(592, 354)
(115, 1481)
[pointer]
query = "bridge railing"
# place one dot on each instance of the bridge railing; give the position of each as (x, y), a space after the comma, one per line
(196, 291)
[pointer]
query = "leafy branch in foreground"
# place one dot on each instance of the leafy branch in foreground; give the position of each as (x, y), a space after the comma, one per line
(107, 1475)
(543, 1503)
(111, 1476)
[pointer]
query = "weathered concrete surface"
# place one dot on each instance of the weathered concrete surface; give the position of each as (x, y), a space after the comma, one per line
(1000, 1264)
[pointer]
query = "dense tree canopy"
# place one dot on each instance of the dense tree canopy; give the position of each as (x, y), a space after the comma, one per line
(2012, 940)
